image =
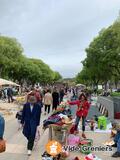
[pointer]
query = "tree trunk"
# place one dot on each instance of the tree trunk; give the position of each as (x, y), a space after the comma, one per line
(116, 85)
(1, 71)
(105, 86)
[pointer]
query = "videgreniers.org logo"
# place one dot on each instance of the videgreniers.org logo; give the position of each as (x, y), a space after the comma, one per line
(53, 148)
(87, 148)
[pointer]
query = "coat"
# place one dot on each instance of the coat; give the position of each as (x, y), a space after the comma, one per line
(30, 120)
(48, 99)
(55, 96)
(83, 112)
(9, 92)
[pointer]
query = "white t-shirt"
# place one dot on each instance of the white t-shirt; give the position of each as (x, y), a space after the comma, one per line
(31, 107)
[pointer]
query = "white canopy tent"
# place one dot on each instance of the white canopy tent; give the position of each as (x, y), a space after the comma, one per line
(4, 82)
(80, 85)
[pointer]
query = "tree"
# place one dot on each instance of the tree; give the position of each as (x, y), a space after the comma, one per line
(83, 77)
(47, 75)
(10, 52)
(57, 76)
(15, 66)
(103, 57)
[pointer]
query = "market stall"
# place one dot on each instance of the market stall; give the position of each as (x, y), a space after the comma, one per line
(59, 123)
(61, 129)
(4, 82)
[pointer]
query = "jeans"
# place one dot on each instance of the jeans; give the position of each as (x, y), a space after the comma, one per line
(30, 144)
(47, 107)
(117, 140)
(10, 99)
(77, 123)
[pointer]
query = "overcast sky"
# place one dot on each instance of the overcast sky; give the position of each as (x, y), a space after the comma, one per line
(57, 31)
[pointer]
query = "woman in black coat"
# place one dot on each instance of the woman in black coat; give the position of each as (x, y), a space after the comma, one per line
(31, 120)
(55, 96)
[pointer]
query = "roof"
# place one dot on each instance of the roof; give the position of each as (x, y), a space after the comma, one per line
(6, 82)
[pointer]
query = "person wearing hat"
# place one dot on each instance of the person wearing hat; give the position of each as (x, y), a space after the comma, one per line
(30, 121)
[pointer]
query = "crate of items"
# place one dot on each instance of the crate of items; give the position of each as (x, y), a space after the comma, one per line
(102, 122)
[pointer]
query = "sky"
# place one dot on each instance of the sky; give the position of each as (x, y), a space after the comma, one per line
(57, 31)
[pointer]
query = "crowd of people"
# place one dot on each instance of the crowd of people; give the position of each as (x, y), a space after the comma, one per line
(47, 100)
(7, 93)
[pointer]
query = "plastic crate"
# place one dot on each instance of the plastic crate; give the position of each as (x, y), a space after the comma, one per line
(102, 122)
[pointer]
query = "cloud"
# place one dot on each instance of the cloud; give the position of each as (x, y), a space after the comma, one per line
(56, 31)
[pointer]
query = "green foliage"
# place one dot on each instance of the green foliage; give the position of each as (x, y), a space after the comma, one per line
(10, 52)
(83, 77)
(115, 94)
(57, 76)
(15, 66)
(103, 57)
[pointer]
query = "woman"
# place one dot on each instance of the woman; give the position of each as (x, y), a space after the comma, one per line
(82, 112)
(55, 96)
(48, 101)
(30, 121)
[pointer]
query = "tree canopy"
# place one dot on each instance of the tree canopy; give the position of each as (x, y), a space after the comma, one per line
(16, 66)
(103, 57)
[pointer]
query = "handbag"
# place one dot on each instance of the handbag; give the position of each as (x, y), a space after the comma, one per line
(2, 145)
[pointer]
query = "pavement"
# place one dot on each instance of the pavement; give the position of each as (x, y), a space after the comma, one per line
(16, 142)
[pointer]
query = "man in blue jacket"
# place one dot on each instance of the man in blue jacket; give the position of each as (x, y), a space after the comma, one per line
(117, 144)
(10, 94)
(31, 120)
(2, 126)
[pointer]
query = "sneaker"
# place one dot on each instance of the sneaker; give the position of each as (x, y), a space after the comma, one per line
(116, 155)
(29, 152)
(84, 136)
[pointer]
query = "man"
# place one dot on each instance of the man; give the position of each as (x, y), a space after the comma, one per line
(2, 126)
(117, 142)
(30, 121)
(10, 94)
(55, 96)
(61, 94)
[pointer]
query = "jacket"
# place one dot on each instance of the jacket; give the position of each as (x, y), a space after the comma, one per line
(30, 119)
(83, 112)
(48, 99)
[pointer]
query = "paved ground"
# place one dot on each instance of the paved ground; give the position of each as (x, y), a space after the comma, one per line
(16, 143)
